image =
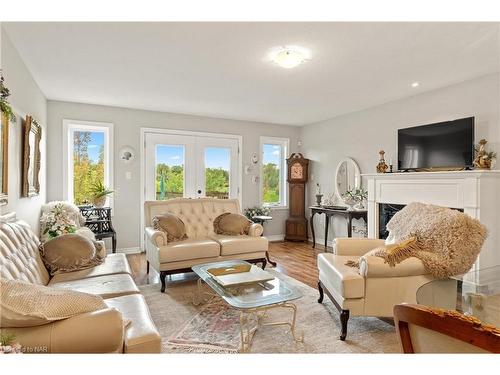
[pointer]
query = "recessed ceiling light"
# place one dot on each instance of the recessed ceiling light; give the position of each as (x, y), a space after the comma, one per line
(415, 84)
(289, 56)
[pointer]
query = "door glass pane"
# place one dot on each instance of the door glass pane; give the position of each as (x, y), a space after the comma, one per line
(169, 171)
(88, 164)
(217, 166)
(271, 162)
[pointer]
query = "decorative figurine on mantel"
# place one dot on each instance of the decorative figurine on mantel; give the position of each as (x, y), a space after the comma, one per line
(319, 196)
(483, 158)
(382, 166)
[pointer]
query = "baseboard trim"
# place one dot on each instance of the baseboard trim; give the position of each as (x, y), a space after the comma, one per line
(129, 250)
(276, 238)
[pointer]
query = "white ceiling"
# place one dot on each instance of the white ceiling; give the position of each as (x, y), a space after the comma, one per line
(220, 69)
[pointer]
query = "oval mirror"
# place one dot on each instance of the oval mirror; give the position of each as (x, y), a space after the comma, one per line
(347, 177)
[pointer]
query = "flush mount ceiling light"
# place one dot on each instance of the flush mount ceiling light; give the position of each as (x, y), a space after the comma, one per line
(415, 84)
(289, 56)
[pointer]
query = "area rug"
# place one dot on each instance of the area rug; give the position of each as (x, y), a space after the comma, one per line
(213, 327)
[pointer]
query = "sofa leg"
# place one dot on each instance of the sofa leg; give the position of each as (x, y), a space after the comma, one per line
(163, 274)
(264, 263)
(320, 290)
(274, 264)
(147, 267)
(344, 317)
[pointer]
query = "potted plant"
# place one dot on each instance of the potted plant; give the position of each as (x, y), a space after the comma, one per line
(99, 194)
(251, 212)
(4, 104)
(355, 198)
(56, 222)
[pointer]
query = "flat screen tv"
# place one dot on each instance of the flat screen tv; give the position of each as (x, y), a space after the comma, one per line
(448, 144)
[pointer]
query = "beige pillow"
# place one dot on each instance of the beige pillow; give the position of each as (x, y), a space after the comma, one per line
(171, 225)
(231, 224)
(70, 252)
(26, 305)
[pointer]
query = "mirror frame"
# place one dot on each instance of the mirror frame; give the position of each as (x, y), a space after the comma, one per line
(4, 188)
(31, 127)
(357, 178)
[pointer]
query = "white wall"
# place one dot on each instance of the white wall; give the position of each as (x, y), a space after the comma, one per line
(127, 124)
(360, 135)
(26, 99)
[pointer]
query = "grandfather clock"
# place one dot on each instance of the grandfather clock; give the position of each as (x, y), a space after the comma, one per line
(296, 224)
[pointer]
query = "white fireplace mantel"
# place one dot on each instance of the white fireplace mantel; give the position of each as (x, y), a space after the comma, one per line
(476, 192)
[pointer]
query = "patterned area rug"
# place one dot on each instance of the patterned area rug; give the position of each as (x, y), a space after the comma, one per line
(214, 327)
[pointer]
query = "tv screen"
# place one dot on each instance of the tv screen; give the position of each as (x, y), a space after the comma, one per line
(448, 144)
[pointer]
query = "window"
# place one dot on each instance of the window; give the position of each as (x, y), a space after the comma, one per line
(273, 171)
(87, 159)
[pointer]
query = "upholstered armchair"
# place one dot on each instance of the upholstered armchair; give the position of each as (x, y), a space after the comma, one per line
(371, 290)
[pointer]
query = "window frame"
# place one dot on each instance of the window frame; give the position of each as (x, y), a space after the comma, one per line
(69, 127)
(285, 146)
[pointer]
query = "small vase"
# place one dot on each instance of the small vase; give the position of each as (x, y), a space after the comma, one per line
(382, 166)
(359, 206)
(350, 203)
(318, 199)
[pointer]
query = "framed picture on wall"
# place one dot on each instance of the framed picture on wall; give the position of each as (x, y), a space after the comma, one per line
(32, 135)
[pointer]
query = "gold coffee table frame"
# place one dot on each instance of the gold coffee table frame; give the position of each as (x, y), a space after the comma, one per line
(247, 332)
(251, 319)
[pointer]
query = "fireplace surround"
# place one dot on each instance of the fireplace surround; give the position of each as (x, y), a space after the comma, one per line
(477, 193)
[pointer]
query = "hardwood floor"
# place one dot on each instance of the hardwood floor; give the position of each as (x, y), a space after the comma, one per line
(295, 259)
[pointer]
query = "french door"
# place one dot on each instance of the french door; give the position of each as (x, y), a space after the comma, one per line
(190, 166)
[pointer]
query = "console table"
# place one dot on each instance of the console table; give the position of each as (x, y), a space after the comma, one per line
(98, 220)
(348, 214)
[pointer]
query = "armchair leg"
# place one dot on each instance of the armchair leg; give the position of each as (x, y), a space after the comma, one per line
(344, 317)
(163, 274)
(320, 290)
(264, 263)
(147, 267)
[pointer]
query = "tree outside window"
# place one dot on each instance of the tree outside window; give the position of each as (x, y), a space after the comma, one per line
(88, 164)
(271, 176)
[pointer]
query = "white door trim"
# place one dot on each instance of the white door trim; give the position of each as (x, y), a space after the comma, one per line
(145, 130)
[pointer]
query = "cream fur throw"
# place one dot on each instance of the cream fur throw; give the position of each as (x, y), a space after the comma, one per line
(448, 241)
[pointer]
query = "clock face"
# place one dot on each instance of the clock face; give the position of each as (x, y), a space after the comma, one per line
(296, 171)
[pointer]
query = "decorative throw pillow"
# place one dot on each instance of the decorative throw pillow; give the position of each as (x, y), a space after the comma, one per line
(231, 224)
(171, 225)
(26, 305)
(70, 252)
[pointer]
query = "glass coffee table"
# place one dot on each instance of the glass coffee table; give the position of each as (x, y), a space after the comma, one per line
(476, 293)
(252, 300)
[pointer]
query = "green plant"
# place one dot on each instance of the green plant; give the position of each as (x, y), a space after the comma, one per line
(4, 104)
(357, 194)
(6, 339)
(251, 212)
(99, 190)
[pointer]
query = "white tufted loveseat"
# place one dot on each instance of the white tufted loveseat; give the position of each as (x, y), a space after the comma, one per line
(202, 244)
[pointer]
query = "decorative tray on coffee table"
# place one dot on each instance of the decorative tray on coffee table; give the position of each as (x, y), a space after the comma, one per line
(239, 275)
